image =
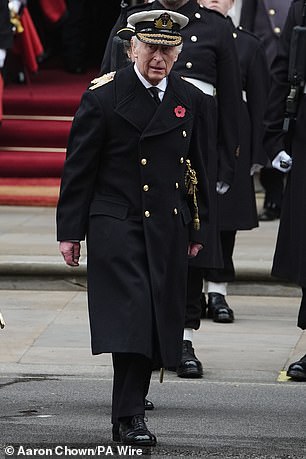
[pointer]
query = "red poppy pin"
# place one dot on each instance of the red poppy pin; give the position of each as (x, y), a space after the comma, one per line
(180, 111)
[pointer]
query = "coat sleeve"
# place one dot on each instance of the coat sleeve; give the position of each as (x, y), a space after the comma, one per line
(229, 100)
(257, 89)
(85, 145)
(275, 137)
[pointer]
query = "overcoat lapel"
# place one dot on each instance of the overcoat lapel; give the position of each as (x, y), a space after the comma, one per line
(139, 109)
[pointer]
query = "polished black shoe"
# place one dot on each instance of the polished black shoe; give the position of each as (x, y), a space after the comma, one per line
(218, 309)
(148, 405)
(297, 370)
(269, 214)
(133, 431)
(203, 306)
(190, 366)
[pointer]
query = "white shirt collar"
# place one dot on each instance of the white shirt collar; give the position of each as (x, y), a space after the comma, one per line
(162, 85)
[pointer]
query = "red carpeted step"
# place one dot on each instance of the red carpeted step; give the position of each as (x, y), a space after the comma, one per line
(34, 133)
(39, 163)
(50, 92)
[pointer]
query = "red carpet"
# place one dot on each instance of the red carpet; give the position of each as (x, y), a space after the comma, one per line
(29, 192)
(33, 137)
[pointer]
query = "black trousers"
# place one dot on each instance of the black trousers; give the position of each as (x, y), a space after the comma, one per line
(196, 276)
(131, 381)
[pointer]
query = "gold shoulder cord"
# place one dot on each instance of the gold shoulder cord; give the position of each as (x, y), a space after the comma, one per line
(191, 182)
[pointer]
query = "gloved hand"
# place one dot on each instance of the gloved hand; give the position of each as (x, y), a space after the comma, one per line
(222, 187)
(71, 252)
(282, 162)
(14, 5)
(2, 57)
(255, 168)
(194, 249)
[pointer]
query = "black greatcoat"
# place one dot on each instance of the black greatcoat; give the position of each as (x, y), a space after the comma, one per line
(208, 55)
(290, 253)
(238, 206)
(6, 30)
(123, 188)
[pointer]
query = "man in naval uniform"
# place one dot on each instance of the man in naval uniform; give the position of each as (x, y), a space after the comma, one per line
(266, 19)
(134, 185)
(209, 61)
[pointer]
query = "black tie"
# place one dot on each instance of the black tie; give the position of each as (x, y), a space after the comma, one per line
(154, 91)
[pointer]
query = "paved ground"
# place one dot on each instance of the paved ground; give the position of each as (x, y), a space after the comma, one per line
(53, 390)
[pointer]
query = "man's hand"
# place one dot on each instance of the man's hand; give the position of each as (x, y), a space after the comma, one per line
(194, 249)
(282, 162)
(71, 252)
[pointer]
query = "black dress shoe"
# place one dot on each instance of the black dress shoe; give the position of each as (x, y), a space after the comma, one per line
(133, 431)
(297, 370)
(269, 214)
(203, 306)
(218, 309)
(190, 366)
(148, 405)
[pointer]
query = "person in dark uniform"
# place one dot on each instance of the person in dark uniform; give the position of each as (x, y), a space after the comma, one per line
(287, 150)
(255, 84)
(134, 185)
(237, 208)
(6, 42)
(266, 19)
(209, 61)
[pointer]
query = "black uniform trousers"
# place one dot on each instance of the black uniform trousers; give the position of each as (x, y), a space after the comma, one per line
(197, 275)
(131, 381)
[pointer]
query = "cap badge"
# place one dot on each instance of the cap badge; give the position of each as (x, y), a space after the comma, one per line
(163, 22)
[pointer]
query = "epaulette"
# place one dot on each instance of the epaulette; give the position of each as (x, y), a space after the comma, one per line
(242, 29)
(100, 81)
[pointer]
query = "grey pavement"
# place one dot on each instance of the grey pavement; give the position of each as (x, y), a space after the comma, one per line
(53, 389)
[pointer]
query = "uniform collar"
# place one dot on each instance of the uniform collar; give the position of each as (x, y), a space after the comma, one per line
(162, 85)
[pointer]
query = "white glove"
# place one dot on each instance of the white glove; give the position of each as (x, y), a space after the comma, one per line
(282, 162)
(14, 5)
(222, 187)
(2, 57)
(255, 168)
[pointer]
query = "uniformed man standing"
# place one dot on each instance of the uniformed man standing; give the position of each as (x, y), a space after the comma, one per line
(287, 149)
(266, 19)
(209, 61)
(134, 186)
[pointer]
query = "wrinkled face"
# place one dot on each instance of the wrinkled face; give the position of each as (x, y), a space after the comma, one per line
(222, 6)
(154, 61)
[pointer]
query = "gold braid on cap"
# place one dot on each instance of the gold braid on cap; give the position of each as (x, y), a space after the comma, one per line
(191, 182)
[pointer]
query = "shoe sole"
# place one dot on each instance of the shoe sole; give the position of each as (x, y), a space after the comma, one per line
(296, 375)
(189, 374)
(223, 319)
(144, 443)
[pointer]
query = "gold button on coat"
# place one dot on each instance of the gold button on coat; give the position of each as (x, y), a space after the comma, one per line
(181, 160)
(197, 15)
(147, 214)
(143, 161)
(184, 134)
(271, 12)
(234, 35)
(175, 211)
(176, 185)
(188, 65)
(145, 187)
(277, 30)
(194, 38)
